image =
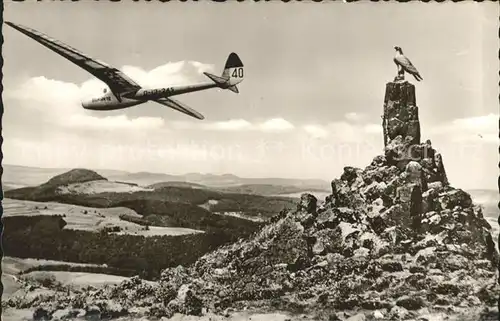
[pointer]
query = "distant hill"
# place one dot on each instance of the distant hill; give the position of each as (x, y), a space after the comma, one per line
(217, 181)
(23, 176)
(144, 178)
(77, 175)
(180, 204)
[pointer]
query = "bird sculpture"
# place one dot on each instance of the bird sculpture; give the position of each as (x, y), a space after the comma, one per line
(404, 64)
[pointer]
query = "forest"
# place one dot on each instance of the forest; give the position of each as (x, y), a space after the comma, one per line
(43, 237)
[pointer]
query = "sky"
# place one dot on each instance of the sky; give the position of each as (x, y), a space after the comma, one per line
(310, 104)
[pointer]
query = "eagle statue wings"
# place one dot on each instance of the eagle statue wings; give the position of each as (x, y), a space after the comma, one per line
(404, 64)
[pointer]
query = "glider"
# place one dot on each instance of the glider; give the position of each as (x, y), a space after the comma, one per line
(404, 64)
(125, 92)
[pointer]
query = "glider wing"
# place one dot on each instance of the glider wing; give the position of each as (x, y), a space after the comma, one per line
(177, 105)
(117, 81)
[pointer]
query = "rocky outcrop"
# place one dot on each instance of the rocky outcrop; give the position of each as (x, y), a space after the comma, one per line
(393, 240)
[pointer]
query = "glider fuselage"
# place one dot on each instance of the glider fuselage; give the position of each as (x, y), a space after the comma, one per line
(110, 101)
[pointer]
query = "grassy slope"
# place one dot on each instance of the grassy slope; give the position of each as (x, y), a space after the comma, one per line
(171, 205)
(44, 236)
(194, 197)
(12, 267)
(88, 218)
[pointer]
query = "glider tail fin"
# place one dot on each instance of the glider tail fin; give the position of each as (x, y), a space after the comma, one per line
(233, 69)
(231, 76)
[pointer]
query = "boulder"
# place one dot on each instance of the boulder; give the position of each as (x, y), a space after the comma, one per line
(411, 302)
(93, 312)
(41, 314)
(186, 302)
(414, 174)
(307, 203)
(357, 317)
(332, 217)
(350, 174)
(454, 197)
(391, 266)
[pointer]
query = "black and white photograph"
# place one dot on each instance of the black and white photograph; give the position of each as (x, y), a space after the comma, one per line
(250, 160)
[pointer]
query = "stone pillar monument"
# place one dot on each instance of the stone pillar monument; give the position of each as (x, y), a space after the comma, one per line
(400, 124)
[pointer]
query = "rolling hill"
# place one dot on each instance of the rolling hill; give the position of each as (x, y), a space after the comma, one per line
(23, 176)
(82, 208)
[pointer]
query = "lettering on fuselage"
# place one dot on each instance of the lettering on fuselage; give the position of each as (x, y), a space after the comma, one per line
(97, 100)
(151, 92)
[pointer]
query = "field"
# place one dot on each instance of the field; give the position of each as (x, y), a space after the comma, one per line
(89, 218)
(76, 279)
(103, 186)
(14, 265)
(12, 268)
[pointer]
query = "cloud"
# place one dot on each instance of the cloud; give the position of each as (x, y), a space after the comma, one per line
(352, 116)
(201, 67)
(270, 125)
(276, 124)
(59, 102)
(486, 122)
(343, 131)
(478, 129)
(230, 125)
(40, 90)
(316, 131)
(174, 73)
(114, 122)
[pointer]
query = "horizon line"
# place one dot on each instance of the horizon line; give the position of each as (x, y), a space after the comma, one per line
(165, 173)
